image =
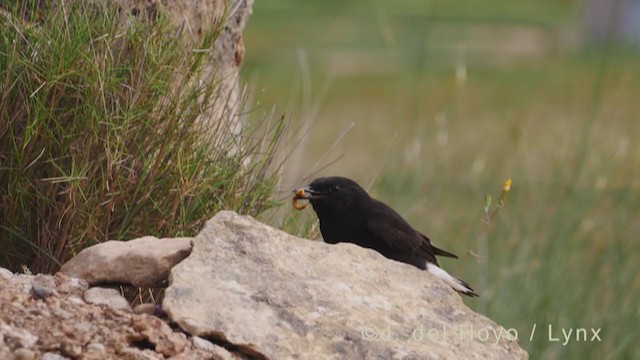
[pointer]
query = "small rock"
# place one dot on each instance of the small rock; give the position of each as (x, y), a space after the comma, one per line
(45, 281)
(145, 309)
(18, 299)
(96, 347)
(41, 293)
(75, 300)
(17, 338)
(53, 356)
(25, 282)
(68, 329)
(223, 353)
(109, 297)
(72, 350)
(43, 312)
(83, 327)
(157, 332)
(53, 302)
(5, 273)
(69, 285)
(144, 262)
(24, 354)
(203, 344)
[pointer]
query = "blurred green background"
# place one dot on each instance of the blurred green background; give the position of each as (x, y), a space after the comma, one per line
(433, 104)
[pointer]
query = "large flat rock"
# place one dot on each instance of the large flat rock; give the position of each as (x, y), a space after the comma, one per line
(283, 297)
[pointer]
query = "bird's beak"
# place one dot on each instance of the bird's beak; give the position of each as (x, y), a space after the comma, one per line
(306, 193)
(303, 193)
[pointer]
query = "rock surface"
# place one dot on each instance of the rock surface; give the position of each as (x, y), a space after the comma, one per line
(144, 262)
(63, 326)
(275, 295)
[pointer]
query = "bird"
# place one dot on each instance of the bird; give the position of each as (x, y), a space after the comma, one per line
(347, 213)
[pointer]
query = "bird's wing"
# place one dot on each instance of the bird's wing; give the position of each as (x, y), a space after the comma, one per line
(392, 229)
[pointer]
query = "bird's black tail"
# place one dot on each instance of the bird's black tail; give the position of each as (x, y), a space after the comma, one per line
(440, 252)
(432, 249)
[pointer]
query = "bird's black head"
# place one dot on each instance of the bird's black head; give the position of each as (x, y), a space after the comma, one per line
(332, 194)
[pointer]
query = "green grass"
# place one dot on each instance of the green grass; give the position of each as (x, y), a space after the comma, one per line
(559, 119)
(107, 133)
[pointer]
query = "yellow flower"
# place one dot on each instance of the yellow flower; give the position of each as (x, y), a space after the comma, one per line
(507, 185)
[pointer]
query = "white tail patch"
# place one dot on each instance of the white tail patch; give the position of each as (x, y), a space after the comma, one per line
(455, 283)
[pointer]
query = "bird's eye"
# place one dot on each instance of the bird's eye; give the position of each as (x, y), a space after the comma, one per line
(334, 189)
